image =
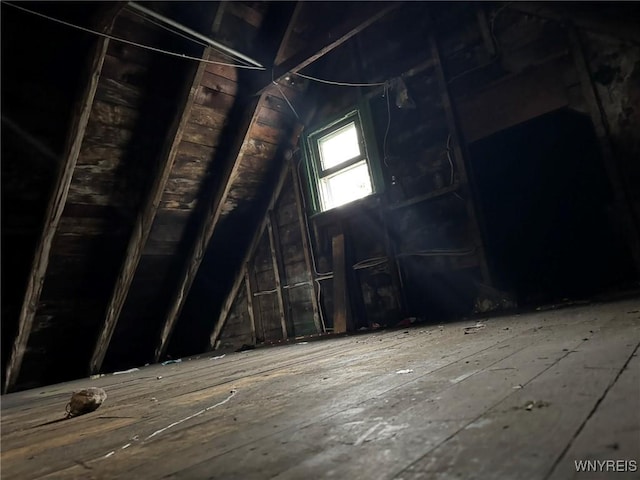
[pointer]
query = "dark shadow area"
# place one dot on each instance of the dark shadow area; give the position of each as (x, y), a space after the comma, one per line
(545, 199)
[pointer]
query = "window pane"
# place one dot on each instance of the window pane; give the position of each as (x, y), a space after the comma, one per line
(339, 146)
(345, 186)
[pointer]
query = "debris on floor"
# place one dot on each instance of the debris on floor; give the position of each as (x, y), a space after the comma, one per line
(168, 362)
(535, 404)
(131, 370)
(217, 357)
(246, 347)
(400, 372)
(490, 299)
(474, 328)
(85, 401)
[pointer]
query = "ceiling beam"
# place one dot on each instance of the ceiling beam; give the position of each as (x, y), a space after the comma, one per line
(146, 216)
(55, 207)
(370, 13)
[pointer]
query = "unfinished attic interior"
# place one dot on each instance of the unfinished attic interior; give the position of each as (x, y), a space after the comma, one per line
(377, 240)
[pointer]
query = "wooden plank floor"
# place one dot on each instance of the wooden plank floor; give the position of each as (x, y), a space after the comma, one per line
(522, 397)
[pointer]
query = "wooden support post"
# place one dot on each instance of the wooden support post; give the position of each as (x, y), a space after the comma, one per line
(623, 204)
(257, 236)
(340, 293)
(249, 291)
(77, 129)
(459, 151)
(210, 220)
(308, 260)
(147, 214)
(278, 266)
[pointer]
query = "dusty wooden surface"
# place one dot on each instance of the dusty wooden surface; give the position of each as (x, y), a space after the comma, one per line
(342, 409)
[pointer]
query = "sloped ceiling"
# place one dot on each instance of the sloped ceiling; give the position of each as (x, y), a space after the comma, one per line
(130, 177)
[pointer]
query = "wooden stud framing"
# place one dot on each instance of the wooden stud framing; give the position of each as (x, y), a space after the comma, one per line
(308, 260)
(146, 216)
(257, 236)
(55, 208)
(340, 295)
(249, 291)
(214, 209)
(459, 151)
(598, 117)
(278, 266)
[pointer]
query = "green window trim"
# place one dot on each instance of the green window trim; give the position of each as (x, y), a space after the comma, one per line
(361, 116)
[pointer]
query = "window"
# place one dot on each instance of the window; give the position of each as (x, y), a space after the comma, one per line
(340, 163)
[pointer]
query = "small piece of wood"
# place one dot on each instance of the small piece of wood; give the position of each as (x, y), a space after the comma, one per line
(340, 293)
(86, 400)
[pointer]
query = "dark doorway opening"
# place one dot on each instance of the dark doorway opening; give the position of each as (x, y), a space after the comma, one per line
(545, 199)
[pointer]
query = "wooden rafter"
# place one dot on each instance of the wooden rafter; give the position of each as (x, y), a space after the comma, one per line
(369, 13)
(278, 269)
(77, 129)
(146, 216)
(214, 208)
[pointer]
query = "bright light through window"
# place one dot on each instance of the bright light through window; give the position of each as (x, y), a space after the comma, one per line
(339, 146)
(346, 186)
(341, 168)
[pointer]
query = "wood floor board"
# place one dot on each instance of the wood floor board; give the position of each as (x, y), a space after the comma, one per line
(561, 398)
(339, 408)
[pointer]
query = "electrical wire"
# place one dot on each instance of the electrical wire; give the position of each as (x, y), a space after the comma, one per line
(180, 34)
(386, 132)
(340, 84)
(286, 99)
(492, 25)
(166, 27)
(449, 158)
(129, 42)
(439, 253)
(370, 262)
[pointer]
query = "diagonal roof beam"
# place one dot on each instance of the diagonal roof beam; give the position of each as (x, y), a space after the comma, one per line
(144, 220)
(147, 213)
(58, 199)
(370, 13)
